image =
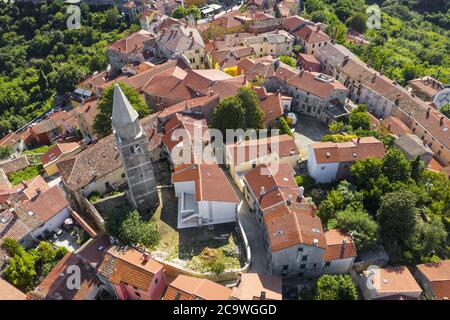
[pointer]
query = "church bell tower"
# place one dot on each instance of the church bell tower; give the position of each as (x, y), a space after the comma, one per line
(132, 143)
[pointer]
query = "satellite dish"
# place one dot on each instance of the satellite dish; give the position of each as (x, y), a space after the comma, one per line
(442, 97)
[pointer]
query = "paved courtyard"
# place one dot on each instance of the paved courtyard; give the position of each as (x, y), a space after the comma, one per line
(308, 130)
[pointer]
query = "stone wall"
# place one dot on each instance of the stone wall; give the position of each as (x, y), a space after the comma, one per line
(108, 204)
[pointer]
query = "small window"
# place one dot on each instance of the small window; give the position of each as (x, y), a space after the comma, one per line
(303, 266)
(285, 267)
(327, 264)
(304, 258)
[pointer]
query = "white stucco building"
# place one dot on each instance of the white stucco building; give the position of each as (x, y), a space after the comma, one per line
(205, 197)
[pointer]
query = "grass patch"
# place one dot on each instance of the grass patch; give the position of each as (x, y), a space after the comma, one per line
(201, 249)
(29, 172)
(95, 196)
(38, 150)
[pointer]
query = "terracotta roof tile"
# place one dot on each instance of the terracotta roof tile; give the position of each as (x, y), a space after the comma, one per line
(211, 184)
(92, 163)
(439, 275)
(293, 225)
(329, 152)
(54, 286)
(395, 280)
(44, 207)
(251, 286)
(128, 265)
(57, 150)
(247, 150)
(9, 292)
(131, 43)
(312, 34)
(336, 249)
(189, 288)
(273, 185)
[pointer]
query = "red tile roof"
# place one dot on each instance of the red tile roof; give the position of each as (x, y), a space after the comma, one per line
(54, 286)
(397, 280)
(395, 126)
(273, 185)
(211, 184)
(340, 245)
(272, 107)
(131, 43)
(310, 82)
(86, 166)
(255, 286)
(57, 150)
(9, 292)
(43, 207)
(312, 34)
(248, 150)
(128, 265)
(356, 149)
(439, 275)
(190, 288)
(293, 225)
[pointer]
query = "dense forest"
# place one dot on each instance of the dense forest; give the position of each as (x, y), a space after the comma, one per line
(413, 40)
(41, 57)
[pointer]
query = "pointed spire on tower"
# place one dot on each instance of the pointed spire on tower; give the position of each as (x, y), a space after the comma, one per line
(123, 112)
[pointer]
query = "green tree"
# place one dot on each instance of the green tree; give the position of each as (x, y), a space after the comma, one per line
(288, 60)
(277, 11)
(359, 224)
(136, 231)
(296, 49)
(179, 12)
(445, 110)
(395, 166)
(359, 120)
(427, 239)
(102, 122)
(397, 216)
(366, 172)
(195, 12)
(357, 22)
(284, 127)
(253, 114)
(21, 272)
(417, 168)
(326, 211)
(65, 77)
(336, 287)
(5, 152)
(336, 127)
(229, 114)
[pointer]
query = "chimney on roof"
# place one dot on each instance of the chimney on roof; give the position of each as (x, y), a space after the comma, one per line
(344, 243)
(301, 191)
(289, 199)
(397, 102)
(358, 140)
(263, 295)
(262, 191)
(374, 78)
(428, 112)
(318, 28)
(389, 126)
(344, 62)
(441, 121)
(38, 191)
(315, 242)
(146, 257)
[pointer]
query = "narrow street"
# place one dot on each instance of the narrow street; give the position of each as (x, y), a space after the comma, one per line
(252, 231)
